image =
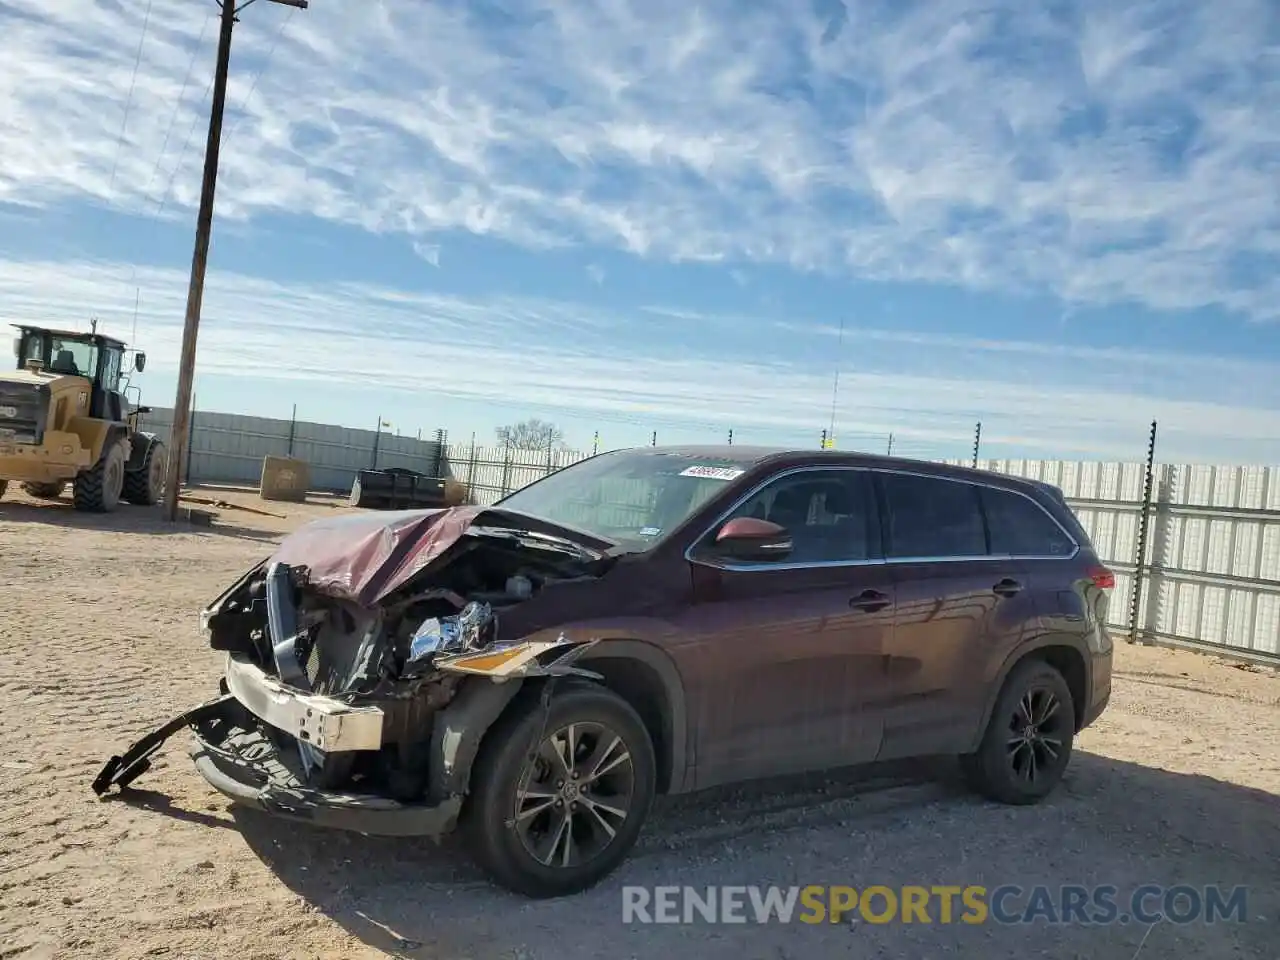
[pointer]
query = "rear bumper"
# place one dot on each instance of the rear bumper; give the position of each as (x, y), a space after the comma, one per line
(240, 762)
(1099, 686)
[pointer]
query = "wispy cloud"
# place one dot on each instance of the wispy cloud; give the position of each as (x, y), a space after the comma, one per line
(499, 350)
(1106, 153)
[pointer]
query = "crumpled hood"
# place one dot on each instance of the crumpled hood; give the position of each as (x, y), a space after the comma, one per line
(365, 557)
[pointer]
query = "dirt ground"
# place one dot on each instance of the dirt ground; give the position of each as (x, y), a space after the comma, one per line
(1179, 783)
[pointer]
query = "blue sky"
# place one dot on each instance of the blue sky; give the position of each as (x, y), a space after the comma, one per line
(1061, 219)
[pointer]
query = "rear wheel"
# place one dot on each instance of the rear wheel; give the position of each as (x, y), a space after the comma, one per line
(558, 819)
(145, 486)
(45, 491)
(97, 490)
(1027, 744)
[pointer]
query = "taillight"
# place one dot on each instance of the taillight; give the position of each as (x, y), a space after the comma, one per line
(1102, 578)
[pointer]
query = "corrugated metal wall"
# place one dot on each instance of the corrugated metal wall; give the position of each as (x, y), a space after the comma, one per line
(1212, 563)
(228, 448)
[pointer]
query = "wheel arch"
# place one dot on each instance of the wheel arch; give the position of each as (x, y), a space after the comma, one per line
(1067, 654)
(647, 678)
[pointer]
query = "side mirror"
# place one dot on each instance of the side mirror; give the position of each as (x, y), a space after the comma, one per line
(139, 361)
(750, 538)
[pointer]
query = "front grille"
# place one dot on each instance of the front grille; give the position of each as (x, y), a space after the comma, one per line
(24, 408)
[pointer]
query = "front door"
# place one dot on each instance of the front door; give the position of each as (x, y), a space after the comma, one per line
(790, 650)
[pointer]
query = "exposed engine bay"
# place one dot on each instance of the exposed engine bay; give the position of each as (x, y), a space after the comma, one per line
(348, 647)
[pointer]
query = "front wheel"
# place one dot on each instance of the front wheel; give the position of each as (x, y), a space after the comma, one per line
(1027, 744)
(556, 819)
(97, 490)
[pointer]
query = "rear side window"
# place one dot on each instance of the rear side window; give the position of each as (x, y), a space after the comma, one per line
(1021, 528)
(931, 517)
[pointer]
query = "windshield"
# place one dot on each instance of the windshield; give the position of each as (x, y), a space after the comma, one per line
(630, 497)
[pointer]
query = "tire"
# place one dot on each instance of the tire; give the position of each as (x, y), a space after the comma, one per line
(145, 486)
(45, 491)
(4, 485)
(518, 857)
(97, 490)
(999, 768)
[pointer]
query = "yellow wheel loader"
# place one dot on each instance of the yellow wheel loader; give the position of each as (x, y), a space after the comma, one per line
(64, 419)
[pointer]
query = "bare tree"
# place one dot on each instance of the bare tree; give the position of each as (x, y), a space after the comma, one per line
(531, 434)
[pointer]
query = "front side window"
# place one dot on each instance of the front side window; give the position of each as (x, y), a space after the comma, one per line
(631, 497)
(932, 517)
(1020, 528)
(73, 358)
(826, 512)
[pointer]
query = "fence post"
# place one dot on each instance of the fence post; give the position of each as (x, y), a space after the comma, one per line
(441, 437)
(977, 442)
(550, 450)
(471, 470)
(889, 451)
(595, 443)
(293, 426)
(1144, 520)
(506, 467)
(377, 435)
(191, 440)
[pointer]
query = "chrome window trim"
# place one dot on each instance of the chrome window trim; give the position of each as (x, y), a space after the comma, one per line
(879, 561)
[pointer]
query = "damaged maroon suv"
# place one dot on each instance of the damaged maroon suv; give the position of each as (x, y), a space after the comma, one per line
(648, 622)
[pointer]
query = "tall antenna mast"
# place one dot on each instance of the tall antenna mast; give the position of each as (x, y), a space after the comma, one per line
(137, 297)
(835, 384)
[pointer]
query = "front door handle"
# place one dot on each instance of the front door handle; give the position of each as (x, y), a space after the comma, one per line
(1007, 587)
(870, 601)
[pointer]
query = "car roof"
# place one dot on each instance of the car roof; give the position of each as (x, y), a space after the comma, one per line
(780, 457)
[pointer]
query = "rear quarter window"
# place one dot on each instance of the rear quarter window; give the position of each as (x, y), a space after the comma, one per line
(1022, 528)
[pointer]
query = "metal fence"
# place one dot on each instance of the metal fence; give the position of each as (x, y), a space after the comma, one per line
(228, 448)
(1195, 549)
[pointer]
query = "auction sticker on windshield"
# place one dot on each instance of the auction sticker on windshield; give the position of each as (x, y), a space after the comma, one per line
(713, 473)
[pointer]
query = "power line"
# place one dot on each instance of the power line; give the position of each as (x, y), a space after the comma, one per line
(261, 70)
(173, 115)
(128, 100)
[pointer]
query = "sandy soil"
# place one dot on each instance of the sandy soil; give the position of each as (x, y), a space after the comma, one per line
(1178, 783)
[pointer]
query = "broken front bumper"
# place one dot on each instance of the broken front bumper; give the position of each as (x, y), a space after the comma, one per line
(241, 762)
(246, 749)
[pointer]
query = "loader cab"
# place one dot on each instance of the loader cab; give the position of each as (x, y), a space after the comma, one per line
(97, 358)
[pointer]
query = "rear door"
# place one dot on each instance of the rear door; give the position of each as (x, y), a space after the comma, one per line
(791, 650)
(958, 606)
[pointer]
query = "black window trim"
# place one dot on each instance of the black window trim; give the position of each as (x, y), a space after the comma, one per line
(879, 536)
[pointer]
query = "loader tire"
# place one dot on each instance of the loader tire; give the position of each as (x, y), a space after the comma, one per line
(145, 486)
(44, 491)
(97, 490)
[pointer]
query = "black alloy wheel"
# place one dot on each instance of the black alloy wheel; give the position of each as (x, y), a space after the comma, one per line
(559, 796)
(575, 795)
(1027, 744)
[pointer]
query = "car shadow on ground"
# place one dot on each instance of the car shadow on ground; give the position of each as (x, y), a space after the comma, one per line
(129, 519)
(1112, 822)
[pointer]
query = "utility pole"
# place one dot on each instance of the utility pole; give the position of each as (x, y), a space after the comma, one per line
(180, 437)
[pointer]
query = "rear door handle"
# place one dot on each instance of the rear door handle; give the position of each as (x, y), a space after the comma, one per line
(870, 601)
(1007, 587)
